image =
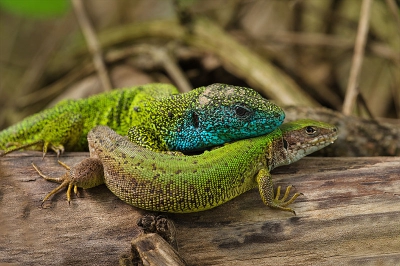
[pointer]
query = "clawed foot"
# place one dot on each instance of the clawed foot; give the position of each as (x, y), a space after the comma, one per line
(268, 196)
(282, 204)
(65, 181)
(58, 149)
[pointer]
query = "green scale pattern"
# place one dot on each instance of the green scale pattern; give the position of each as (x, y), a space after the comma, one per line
(154, 116)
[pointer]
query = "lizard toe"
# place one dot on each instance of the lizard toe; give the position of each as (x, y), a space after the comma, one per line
(58, 149)
(282, 203)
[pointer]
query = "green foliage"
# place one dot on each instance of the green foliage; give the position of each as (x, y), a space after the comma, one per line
(36, 8)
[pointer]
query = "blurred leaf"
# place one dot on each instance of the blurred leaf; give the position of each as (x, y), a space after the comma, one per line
(36, 8)
(186, 3)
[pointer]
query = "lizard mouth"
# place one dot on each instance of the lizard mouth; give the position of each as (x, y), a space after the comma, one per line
(325, 139)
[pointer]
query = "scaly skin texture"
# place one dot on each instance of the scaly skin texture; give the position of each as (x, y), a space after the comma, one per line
(154, 116)
(182, 184)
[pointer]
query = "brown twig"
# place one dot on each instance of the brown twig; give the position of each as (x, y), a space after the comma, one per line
(363, 103)
(394, 9)
(170, 65)
(93, 43)
(331, 41)
(86, 68)
(238, 59)
(351, 91)
(159, 56)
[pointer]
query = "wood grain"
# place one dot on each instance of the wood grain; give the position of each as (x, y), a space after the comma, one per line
(349, 215)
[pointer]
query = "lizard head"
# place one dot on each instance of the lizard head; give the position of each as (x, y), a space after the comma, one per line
(222, 113)
(301, 138)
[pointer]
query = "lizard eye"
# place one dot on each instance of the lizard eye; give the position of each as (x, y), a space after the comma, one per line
(310, 130)
(242, 112)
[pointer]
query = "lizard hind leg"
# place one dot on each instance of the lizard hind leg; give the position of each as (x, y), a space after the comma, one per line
(41, 144)
(16, 146)
(64, 130)
(266, 188)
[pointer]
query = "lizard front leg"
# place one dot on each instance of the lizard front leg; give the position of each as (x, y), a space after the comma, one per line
(266, 188)
(86, 174)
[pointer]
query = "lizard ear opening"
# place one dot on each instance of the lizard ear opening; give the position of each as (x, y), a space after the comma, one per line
(195, 119)
(285, 144)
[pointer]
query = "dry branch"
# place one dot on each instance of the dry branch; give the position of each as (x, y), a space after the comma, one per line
(352, 90)
(93, 43)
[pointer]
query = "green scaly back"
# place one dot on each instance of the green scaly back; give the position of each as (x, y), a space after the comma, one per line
(155, 116)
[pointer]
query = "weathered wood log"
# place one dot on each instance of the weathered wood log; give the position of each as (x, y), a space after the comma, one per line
(349, 214)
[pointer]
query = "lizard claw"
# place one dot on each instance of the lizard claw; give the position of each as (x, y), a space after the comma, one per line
(282, 203)
(272, 199)
(58, 149)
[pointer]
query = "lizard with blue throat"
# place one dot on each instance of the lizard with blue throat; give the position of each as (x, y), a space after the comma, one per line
(155, 116)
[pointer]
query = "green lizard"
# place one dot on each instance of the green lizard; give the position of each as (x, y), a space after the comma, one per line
(154, 116)
(181, 184)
